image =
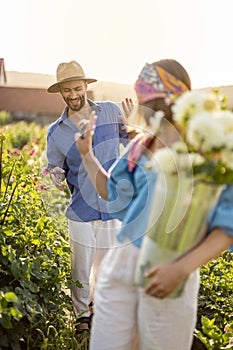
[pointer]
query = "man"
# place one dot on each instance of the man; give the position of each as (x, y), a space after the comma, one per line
(91, 228)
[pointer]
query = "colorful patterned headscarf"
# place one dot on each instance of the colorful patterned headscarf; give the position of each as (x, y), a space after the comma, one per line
(155, 82)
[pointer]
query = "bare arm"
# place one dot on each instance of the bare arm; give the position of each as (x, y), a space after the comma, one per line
(166, 278)
(96, 172)
(98, 175)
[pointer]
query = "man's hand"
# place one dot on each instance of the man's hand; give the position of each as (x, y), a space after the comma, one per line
(57, 175)
(127, 106)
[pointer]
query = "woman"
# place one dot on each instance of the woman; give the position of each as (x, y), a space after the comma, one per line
(122, 309)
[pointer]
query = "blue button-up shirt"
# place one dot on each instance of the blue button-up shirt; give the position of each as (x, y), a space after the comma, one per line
(85, 203)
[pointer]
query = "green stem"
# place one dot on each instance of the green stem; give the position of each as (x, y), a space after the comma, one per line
(9, 203)
(9, 178)
(1, 150)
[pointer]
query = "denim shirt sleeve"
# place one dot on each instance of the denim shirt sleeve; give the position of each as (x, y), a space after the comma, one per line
(120, 189)
(222, 214)
(54, 156)
(129, 197)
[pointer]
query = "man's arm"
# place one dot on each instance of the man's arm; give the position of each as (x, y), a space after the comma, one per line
(54, 158)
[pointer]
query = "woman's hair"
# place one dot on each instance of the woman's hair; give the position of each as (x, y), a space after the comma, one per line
(176, 69)
(157, 87)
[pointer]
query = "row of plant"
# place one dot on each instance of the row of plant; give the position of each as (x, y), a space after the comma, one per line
(35, 304)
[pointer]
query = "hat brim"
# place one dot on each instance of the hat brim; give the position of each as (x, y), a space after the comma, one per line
(56, 87)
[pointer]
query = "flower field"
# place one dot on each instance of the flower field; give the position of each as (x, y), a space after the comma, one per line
(35, 303)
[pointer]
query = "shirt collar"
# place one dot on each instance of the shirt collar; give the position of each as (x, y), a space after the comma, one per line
(94, 105)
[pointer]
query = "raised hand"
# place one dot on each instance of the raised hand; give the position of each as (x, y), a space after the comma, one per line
(127, 106)
(84, 137)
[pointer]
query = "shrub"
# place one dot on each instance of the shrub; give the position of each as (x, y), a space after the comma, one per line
(5, 118)
(23, 134)
(215, 313)
(35, 304)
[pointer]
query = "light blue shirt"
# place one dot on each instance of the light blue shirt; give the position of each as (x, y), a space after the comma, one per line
(85, 203)
(130, 195)
(222, 214)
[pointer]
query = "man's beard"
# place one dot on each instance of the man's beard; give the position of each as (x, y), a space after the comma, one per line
(77, 104)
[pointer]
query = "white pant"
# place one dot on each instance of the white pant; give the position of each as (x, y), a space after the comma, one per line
(124, 313)
(89, 242)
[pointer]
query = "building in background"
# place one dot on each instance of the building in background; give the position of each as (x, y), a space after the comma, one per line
(25, 96)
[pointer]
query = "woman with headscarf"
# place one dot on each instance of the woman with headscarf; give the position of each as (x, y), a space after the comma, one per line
(123, 311)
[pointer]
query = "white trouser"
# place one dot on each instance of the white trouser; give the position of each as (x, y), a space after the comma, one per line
(89, 242)
(124, 313)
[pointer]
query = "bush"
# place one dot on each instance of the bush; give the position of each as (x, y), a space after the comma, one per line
(35, 304)
(215, 313)
(21, 134)
(5, 118)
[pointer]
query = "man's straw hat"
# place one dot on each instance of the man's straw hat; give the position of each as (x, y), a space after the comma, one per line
(70, 71)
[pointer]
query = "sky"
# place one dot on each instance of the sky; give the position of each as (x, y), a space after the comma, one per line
(113, 39)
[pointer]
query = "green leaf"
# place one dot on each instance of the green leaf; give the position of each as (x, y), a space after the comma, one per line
(10, 297)
(15, 313)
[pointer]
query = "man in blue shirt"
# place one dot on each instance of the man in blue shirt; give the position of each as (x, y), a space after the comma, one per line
(91, 229)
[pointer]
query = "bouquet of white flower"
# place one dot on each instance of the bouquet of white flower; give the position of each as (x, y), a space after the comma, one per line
(190, 178)
(207, 130)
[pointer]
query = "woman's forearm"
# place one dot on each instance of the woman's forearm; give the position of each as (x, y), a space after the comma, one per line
(167, 277)
(210, 248)
(98, 175)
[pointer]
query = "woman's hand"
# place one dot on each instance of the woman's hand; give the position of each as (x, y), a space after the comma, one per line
(84, 137)
(165, 279)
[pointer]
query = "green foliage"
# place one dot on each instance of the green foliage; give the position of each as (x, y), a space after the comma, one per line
(9, 309)
(215, 313)
(23, 134)
(213, 337)
(35, 304)
(5, 118)
(213, 172)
